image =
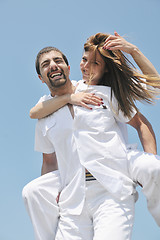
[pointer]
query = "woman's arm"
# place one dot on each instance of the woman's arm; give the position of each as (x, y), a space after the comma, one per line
(116, 42)
(145, 132)
(45, 108)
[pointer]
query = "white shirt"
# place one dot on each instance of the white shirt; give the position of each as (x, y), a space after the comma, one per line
(100, 143)
(55, 133)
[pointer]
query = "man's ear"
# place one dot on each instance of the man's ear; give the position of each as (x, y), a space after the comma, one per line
(40, 77)
(69, 68)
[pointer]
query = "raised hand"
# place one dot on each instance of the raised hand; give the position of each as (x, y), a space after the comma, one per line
(116, 42)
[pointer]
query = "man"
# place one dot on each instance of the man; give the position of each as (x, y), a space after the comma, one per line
(55, 73)
(53, 69)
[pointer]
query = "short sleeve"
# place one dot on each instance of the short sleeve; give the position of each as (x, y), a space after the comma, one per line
(42, 143)
(120, 117)
(44, 98)
(118, 114)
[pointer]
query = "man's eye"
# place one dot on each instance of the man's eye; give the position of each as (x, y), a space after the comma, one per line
(58, 61)
(44, 65)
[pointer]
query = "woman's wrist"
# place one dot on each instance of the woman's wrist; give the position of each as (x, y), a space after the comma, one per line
(135, 52)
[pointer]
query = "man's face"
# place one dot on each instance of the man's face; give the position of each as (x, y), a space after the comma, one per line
(93, 67)
(54, 71)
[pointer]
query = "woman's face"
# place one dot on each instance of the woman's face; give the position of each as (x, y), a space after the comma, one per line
(93, 67)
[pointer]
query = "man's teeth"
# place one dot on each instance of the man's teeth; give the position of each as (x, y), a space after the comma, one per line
(55, 75)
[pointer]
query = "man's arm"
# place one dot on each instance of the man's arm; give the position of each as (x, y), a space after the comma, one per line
(49, 163)
(43, 109)
(145, 132)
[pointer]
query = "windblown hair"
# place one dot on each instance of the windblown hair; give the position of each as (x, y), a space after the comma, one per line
(126, 83)
(46, 50)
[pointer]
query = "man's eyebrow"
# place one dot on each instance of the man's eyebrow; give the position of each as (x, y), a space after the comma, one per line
(58, 58)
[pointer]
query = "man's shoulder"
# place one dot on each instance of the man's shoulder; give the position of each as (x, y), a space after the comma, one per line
(43, 121)
(44, 98)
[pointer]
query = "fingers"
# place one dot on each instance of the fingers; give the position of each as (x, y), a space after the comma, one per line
(111, 37)
(57, 198)
(93, 100)
(113, 45)
(116, 42)
(84, 99)
(113, 42)
(86, 106)
(90, 102)
(116, 34)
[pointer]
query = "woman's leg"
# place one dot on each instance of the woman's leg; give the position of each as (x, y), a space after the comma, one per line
(144, 168)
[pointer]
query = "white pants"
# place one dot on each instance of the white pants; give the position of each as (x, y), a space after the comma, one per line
(39, 195)
(40, 201)
(103, 217)
(145, 169)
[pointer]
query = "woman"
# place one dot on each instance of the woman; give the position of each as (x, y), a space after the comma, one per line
(109, 70)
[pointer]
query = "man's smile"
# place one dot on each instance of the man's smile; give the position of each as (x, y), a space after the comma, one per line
(55, 75)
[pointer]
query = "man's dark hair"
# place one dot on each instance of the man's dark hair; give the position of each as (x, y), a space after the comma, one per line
(46, 50)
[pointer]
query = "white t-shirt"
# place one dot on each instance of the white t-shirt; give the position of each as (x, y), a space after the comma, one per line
(100, 143)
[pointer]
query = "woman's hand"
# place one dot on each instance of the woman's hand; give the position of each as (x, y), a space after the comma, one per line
(83, 99)
(116, 42)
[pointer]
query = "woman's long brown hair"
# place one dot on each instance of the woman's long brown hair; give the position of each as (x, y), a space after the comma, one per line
(126, 83)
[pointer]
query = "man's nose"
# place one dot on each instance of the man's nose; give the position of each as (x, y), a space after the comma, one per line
(53, 65)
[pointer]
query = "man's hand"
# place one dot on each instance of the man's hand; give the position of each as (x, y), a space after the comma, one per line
(83, 99)
(58, 196)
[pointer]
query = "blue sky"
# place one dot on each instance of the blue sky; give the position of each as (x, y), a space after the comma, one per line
(28, 26)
